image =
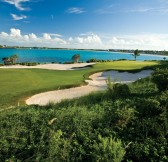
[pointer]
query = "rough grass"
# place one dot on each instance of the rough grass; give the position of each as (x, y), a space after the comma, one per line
(18, 84)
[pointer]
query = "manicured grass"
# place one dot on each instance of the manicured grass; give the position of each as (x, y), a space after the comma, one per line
(121, 65)
(18, 84)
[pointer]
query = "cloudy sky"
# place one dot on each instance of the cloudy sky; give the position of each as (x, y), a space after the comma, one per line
(126, 24)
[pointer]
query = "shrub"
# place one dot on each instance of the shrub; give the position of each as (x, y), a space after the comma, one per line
(160, 78)
(121, 90)
(97, 60)
(107, 149)
(68, 62)
(91, 60)
(117, 89)
(29, 63)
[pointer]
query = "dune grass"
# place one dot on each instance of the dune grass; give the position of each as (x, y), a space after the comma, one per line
(18, 84)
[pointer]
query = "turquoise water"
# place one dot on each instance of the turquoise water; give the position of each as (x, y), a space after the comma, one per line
(47, 56)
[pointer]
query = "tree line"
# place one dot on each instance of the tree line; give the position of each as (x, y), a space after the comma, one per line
(10, 60)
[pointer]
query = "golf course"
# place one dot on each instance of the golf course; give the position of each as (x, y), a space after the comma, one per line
(18, 84)
(83, 81)
(124, 122)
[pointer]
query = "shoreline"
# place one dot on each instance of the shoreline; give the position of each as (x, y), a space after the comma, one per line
(96, 50)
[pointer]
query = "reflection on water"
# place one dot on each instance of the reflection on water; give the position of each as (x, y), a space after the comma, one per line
(125, 76)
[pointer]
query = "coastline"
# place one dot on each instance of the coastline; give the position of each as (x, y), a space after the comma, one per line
(64, 55)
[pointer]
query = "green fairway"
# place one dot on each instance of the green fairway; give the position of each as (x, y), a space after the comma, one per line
(18, 84)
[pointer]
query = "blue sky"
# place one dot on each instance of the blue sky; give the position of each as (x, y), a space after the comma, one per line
(127, 24)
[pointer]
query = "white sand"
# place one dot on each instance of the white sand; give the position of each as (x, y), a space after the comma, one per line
(58, 95)
(49, 66)
(98, 82)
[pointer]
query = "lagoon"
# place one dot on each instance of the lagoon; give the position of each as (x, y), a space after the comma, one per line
(60, 56)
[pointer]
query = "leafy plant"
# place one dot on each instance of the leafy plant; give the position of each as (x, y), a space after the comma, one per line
(160, 78)
(136, 53)
(108, 149)
(76, 57)
(121, 90)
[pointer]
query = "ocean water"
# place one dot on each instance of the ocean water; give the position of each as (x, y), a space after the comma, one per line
(60, 56)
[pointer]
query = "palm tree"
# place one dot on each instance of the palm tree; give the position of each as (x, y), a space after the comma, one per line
(136, 53)
(76, 57)
(6, 60)
(14, 58)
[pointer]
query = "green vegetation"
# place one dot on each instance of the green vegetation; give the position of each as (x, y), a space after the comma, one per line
(10, 60)
(14, 58)
(100, 127)
(76, 58)
(29, 63)
(18, 84)
(136, 53)
(160, 77)
(97, 60)
(142, 51)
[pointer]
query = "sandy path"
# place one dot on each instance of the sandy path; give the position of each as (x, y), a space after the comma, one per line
(98, 82)
(49, 66)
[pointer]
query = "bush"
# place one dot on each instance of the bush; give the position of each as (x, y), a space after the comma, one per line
(121, 90)
(97, 60)
(29, 63)
(68, 62)
(91, 60)
(160, 78)
(107, 149)
(90, 128)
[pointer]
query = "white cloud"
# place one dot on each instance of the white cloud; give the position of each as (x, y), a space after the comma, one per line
(15, 37)
(86, 41)
(54, 35)
(46, 36)
(141, 41)
(32, 36)
(15, 32)
(3, 34)
(26, 37)
(16, 17)
(160, 10)
(17, 3)
(75, 10)
(89, 39)
(114, 9)
(70, 39)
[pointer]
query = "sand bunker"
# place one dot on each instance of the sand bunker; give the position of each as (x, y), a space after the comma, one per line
(51, 66)
(97, 83)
